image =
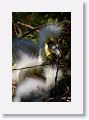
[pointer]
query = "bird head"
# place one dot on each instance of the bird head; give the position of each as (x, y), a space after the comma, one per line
(52, 47)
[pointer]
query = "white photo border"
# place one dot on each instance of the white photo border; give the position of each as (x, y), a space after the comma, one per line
(76, 9)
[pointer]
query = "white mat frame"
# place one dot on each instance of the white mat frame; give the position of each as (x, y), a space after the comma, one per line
(76, 9)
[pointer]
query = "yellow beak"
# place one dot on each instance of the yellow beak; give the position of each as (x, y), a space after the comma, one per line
(48, 51)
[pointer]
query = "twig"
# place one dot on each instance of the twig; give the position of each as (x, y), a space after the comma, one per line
(14, 29)
(61, 66)
(56, 80)
(57, 65)
(59, 98)
(23, 24)
(30, 31)
(28, 26)
(30, 67)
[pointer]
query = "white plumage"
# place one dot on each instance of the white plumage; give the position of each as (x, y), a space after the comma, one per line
(30, 88)
(25, 61)
(29, 54)
(36, 89)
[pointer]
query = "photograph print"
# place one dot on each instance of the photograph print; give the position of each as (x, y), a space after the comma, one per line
(41, 56)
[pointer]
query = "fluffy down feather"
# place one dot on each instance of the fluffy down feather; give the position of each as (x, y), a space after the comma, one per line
(37, 89)
(29, 54)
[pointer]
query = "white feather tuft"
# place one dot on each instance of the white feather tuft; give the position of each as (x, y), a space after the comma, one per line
(25, 61)
(49, 31)
(31, 88)
(35, 89)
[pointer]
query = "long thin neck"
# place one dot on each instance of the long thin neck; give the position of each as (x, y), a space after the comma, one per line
(42, 41)
(45, 33)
